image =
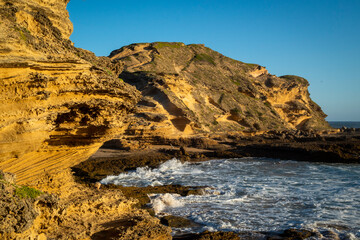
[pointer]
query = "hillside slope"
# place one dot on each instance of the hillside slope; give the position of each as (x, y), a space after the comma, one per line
(190, 89)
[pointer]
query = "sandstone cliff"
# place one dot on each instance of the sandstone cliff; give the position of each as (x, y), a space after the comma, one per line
(191, 89)
(58, 103)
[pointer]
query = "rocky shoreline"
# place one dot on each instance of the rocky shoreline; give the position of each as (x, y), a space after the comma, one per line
(64, 195)
(111, 159)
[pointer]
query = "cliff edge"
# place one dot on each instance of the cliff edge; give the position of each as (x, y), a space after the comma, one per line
(58, 103)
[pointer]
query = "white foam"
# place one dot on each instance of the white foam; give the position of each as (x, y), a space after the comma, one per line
(172, 164)
(156, 183)
(145, 176)
(255, 194)
(160, 202)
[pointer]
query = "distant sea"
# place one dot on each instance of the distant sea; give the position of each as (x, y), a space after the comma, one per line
(349, 124)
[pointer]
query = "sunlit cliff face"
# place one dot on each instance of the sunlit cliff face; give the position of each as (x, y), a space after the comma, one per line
(57, 108)
(189, 89)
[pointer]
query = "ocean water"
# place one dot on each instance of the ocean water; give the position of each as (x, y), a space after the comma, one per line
(258, 194)
(347, 124)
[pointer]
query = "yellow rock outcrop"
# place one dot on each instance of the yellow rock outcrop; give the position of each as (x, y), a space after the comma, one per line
(75, 211)
(58, 103)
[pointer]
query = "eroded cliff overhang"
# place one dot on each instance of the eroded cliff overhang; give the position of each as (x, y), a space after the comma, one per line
(58, 103)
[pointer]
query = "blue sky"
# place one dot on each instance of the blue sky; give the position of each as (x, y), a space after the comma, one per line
(316, 39)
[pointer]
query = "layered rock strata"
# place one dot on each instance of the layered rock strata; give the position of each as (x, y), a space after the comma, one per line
(58, 103)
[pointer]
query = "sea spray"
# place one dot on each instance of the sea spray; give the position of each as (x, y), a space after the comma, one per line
(160, 202)
(145, 176)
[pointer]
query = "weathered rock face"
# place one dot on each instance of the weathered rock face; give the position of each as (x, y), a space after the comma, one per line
(190, 89)
(58, 103)
(70, 210)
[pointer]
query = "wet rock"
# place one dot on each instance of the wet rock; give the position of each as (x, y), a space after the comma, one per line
(182, 150)
(97, 168)
(331, 235)
(176, 222)
(133, 228)
(293, 234)
(209, 236)
(141, 193)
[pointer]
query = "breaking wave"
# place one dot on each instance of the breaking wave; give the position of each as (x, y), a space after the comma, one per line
(258, 194)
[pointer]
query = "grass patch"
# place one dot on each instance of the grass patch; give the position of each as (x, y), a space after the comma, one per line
(204, 58)
(169, 45)
(252, 65)
(27, 192)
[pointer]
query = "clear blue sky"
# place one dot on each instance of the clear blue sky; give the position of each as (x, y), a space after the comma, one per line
(316, 39)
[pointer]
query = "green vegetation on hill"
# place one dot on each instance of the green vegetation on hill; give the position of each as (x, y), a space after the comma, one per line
(168, 44)
(205, 58)
(27, 192)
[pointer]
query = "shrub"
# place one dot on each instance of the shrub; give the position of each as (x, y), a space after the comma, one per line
(235, 111)
(27, 192)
